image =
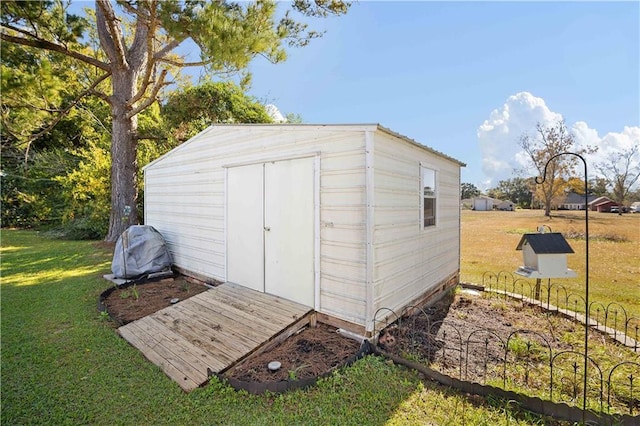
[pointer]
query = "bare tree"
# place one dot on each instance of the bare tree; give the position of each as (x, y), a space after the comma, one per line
(621, 171)
(550, 140)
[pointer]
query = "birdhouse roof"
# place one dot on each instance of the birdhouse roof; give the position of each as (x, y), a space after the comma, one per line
(546, 243)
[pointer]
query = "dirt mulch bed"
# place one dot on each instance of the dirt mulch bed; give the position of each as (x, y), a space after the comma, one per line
(131, 302)
(311, 353)
(467, 332)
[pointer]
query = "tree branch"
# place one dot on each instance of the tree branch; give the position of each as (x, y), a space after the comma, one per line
(102, 96)
(182, 64)
(152, 96)
(110, 34)
(142, 45)
(145, 45)
(63, 114)
(160, 54)
(53, 47)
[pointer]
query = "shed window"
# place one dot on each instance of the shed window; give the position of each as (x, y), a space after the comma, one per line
(429, 193)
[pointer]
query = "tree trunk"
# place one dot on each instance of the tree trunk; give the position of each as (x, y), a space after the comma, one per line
(124, 165)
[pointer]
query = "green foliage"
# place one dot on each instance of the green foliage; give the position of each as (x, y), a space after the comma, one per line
(32, 197)
(598, 186)
(193, 109)
(49, 18)
(87, 196)
(521, 347)
(40, 146)
(517, 190)
(38, 84)
(292, 118)
(468, 190)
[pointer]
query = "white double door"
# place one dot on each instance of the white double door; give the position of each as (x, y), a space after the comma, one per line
(270, 228)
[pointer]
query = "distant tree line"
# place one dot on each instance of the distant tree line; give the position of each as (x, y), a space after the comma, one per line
(60, 182)
(548, 150)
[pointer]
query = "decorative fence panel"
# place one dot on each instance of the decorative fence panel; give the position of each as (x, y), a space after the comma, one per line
(539, 363)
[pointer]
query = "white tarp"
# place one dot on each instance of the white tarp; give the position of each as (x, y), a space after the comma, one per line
(140, 250)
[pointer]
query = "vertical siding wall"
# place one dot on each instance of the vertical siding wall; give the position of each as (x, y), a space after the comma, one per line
(185, 201)
(409, 261)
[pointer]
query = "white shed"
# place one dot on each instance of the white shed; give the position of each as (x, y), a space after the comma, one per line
(346, 219)
(482, 203)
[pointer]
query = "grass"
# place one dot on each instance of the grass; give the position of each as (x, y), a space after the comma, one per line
(489, 240)
(63, 363)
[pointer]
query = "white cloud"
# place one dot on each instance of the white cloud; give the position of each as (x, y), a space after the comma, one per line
(275, 113)
(500, 134)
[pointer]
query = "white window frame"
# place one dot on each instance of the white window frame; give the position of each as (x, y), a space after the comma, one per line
(427, 167)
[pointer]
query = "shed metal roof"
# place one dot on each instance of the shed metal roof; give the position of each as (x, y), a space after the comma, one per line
(574, 198)
(318, 127)
(551, 243)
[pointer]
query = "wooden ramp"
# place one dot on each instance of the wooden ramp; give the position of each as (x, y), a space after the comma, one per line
(212, 331)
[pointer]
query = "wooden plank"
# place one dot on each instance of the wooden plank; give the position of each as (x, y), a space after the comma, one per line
(196, 358)
(238, 315)
(154, 349)
(287, 307)
(192, 325)
(261, 305)
(266, 307)
(252, 296)
(132, 335)
(245, 302)
(155, 344)
(220, 352)
(213, 330)
(267, 315)
(227, 327)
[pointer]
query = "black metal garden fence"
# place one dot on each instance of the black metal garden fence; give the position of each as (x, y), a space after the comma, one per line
(611, 318)
(532, 362)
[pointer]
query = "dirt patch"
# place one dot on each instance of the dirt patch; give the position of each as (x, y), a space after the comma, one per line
(134, 302)
(311, 353)
(475, 337)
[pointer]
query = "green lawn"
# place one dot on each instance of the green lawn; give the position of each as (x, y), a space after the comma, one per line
(64, 364)
(489, 241)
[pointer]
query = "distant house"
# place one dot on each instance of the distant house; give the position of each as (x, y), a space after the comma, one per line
(482, 203)
(603, 205)
(574, 201)
(485, 203)
(506, 206)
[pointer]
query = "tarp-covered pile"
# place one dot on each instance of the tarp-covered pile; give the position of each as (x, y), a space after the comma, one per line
(140, 250)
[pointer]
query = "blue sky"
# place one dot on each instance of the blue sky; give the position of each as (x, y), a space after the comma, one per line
(469, 78)
(437, 71)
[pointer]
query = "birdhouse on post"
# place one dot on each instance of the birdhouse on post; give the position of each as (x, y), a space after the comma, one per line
(545, 256)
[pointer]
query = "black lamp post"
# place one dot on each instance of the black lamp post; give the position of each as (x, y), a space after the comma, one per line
(586, 274)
